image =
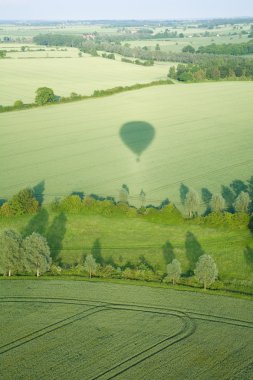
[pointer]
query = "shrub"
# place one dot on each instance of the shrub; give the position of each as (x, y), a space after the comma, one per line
(18, 104)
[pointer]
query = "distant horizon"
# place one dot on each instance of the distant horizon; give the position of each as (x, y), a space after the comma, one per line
(129, 19)
(79, 10)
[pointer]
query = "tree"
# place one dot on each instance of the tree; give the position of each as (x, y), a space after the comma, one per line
(90, 265)
(217, 203)
(242, 202)
(18, 103)
(2, 54)
(23, 203)
(192, 203)
(188, 49)
(44, 95)
(173, 271)
(37, 254)
(11, 258)
(206, 270)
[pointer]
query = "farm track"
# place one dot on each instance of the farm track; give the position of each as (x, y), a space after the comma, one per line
(85, 302)
(187, 317)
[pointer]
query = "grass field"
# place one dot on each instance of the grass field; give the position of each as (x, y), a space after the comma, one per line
(176, 45)
(62, 328)
(120, 240)
(19, 79)
(202, 137)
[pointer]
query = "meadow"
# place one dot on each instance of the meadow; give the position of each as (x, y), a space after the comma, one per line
(201, 136)
(123, 241)
(66, 326)
(20, 78)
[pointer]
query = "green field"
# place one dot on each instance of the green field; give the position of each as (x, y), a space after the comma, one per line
(121, 240)
(20, 78)
(202, 137)
(85, 330)
(176, 45)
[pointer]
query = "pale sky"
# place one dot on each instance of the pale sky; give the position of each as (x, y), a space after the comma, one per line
(127, 9)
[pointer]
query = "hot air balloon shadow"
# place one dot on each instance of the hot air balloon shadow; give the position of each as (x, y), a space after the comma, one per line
(137, 136)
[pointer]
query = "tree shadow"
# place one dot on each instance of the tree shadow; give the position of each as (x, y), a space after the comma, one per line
(38, 191)
(168, 252)
(2, 201)
(96, 252)
(38, 223)
(55, 236)
(193, 251)
(206, 196)
(248, 255)
(229, 197)
(183, 191)
(80, 194)
(164, 203)
(144, 262)
(238, 186)
(137, 136)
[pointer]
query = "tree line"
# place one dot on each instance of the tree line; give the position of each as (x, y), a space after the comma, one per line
(214, 68)
(227, 49)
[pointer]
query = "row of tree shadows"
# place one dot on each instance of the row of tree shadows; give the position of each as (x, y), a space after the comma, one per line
(229, 193)
(55, 232)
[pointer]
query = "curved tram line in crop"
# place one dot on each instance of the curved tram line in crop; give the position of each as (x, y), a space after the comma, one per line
(187, 317)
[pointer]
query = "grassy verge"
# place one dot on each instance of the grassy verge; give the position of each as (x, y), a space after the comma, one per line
(178, 287)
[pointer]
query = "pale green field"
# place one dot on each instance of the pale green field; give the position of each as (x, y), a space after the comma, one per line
(176, 45)
(46, 53)
(203, 137)
(19, 79)
(22, 31)
(59, 329)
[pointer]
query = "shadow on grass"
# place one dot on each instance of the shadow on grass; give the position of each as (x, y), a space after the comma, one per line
(168, 252)
(38, 223)
(193, 251)
(248, 255)
(55, 236)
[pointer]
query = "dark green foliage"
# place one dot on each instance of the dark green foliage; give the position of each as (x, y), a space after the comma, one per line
(227, 49)
(44, 95)
(22, 203)
(188, 49)
(2, 54)
(213, 68)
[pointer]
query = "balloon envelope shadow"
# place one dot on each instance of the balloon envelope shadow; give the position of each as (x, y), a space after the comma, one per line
(137, 136)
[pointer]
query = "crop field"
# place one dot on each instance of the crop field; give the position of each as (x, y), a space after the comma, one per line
(102, 331)
(176, 45)
(152, 139)
(19, 79)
